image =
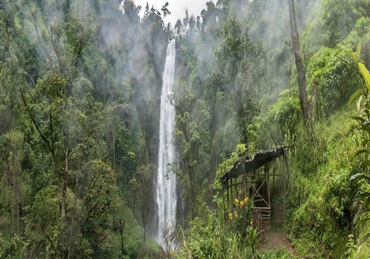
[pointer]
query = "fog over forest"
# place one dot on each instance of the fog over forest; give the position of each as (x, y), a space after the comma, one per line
(184, 129)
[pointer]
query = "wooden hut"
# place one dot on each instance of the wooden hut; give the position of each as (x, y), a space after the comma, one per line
(256, 178)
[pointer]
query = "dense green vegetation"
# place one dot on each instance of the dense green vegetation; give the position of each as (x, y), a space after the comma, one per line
(80, 86)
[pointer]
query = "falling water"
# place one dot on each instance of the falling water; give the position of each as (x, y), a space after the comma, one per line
(166, 183)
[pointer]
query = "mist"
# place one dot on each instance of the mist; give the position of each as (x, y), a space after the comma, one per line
(80, 96)
(177, 8)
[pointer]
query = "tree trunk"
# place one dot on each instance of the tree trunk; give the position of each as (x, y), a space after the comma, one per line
(298, 62)
(64, 246)
(65, 178)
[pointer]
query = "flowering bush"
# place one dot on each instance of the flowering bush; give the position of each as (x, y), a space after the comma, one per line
(241, 221)
(241, 216)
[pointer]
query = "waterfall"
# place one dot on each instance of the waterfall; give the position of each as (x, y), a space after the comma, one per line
(166, 183)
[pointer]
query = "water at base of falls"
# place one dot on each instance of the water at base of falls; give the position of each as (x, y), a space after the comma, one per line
(166, 199)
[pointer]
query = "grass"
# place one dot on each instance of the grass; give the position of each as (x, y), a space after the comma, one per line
(320, 189)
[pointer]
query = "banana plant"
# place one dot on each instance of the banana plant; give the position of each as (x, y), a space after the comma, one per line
(362, 199)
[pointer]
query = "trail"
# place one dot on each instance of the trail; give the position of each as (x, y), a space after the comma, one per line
(276, 239)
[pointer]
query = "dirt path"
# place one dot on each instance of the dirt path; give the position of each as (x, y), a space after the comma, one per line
(275, 239)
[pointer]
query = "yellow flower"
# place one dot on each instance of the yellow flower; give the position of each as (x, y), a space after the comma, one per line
(246, 199)
(230, 215)
(235, 214)
(242, 203)
(236, 201)
(251, 222)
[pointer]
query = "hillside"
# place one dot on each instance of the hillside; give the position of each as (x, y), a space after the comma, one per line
(102, 104)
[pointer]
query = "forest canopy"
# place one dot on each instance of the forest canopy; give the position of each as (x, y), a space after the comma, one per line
(80, 86)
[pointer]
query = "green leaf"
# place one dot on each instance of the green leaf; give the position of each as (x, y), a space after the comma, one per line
(357, 94)
(358, 52)
(361, 152)
(363, 240)
(366, 162)
(359, 177)
(353, 56)
(356, 176)
(359, 103)
(365, 74)
(359, 119)
(366, 128)
(364, 143)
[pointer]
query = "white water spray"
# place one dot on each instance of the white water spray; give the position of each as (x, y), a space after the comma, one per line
(166, 183)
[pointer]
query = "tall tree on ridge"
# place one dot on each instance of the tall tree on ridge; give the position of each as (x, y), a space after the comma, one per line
(298, 62)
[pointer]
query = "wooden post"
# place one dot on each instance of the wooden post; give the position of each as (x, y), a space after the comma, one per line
(227, 195)
(244, 186)
(273, 188)
(268, 187)
(223, 201)
(231, 190)
(285, 177)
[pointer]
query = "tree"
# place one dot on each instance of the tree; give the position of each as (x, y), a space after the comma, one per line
(178, 27)
(44, 224)
(238, 74)
(12, 179)
(334, 74)
(301, 71)
(131, 11)
(210, 18)
(61, 109)
(142, 187)
(69, 126)
(191, 136)
(165, 10)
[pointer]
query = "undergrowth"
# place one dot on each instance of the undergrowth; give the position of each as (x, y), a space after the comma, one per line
(321, 193)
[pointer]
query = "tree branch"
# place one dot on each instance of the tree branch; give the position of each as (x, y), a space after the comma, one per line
(51, 149)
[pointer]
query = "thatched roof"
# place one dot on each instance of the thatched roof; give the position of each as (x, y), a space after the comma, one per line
(244, 165)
